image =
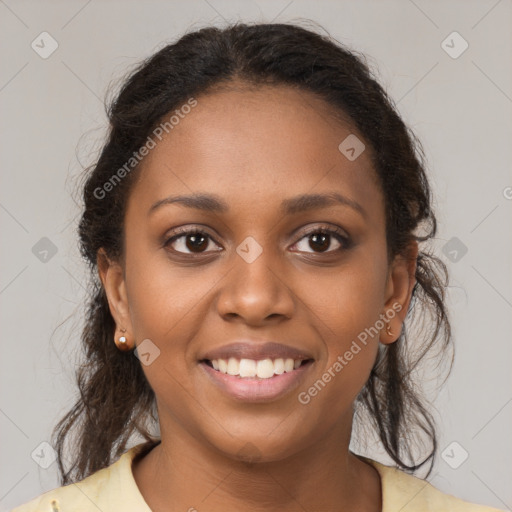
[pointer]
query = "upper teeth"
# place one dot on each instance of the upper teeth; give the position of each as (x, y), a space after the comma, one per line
(264, 369)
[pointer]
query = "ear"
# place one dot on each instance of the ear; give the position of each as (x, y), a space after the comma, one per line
(113, 280)
(399, 287)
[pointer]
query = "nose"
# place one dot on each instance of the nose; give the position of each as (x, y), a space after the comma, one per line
(256, 292)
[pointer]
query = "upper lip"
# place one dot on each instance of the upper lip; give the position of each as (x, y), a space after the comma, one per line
(245, 349)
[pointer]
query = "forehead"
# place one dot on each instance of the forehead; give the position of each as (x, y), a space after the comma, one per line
(252, 144)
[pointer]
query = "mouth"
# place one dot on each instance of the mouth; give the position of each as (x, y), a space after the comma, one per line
(255, 372)
(255, 369)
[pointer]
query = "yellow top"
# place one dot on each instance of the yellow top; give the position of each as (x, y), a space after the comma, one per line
(114, 489)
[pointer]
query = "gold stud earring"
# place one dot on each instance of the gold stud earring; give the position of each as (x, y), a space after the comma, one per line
(122, 342)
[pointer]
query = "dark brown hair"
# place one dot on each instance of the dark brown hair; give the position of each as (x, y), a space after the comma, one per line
(115, 400)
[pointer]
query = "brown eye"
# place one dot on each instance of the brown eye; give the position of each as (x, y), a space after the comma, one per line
(322, 240)
(189, 242)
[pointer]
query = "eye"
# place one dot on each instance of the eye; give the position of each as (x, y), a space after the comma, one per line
(190, 241)
(321, 239)
(197, 241)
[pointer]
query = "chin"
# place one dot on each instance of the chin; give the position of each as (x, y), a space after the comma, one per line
(262, 446)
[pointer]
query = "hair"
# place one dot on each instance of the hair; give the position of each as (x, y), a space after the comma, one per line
(115, 400)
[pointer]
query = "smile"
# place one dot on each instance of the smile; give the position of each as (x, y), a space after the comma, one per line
(265, 380)
(250, 368)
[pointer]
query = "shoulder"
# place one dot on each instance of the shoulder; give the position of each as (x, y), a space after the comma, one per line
(112, 488)
(407, 493)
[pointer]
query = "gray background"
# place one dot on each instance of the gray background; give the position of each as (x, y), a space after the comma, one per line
(52, 123)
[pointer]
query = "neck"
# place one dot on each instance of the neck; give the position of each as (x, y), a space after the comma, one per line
(184, 474)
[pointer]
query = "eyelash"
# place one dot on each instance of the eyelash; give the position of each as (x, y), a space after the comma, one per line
(338, 234)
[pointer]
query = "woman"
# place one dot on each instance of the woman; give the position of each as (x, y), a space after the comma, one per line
(253, 231)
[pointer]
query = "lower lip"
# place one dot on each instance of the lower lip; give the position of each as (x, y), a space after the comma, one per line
(252, 389)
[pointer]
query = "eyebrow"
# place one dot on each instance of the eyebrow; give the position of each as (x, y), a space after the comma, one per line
(214, 204)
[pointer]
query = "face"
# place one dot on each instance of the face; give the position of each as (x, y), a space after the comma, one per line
(285, 259)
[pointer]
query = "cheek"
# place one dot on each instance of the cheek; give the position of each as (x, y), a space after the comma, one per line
(161, 299)
(166, 307)
(347, 312)
(349, 298)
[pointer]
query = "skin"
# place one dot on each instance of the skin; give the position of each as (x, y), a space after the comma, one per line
(253, 148)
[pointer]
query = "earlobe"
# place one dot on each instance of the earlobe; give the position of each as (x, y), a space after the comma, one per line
(400, 286)
(112, 278)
